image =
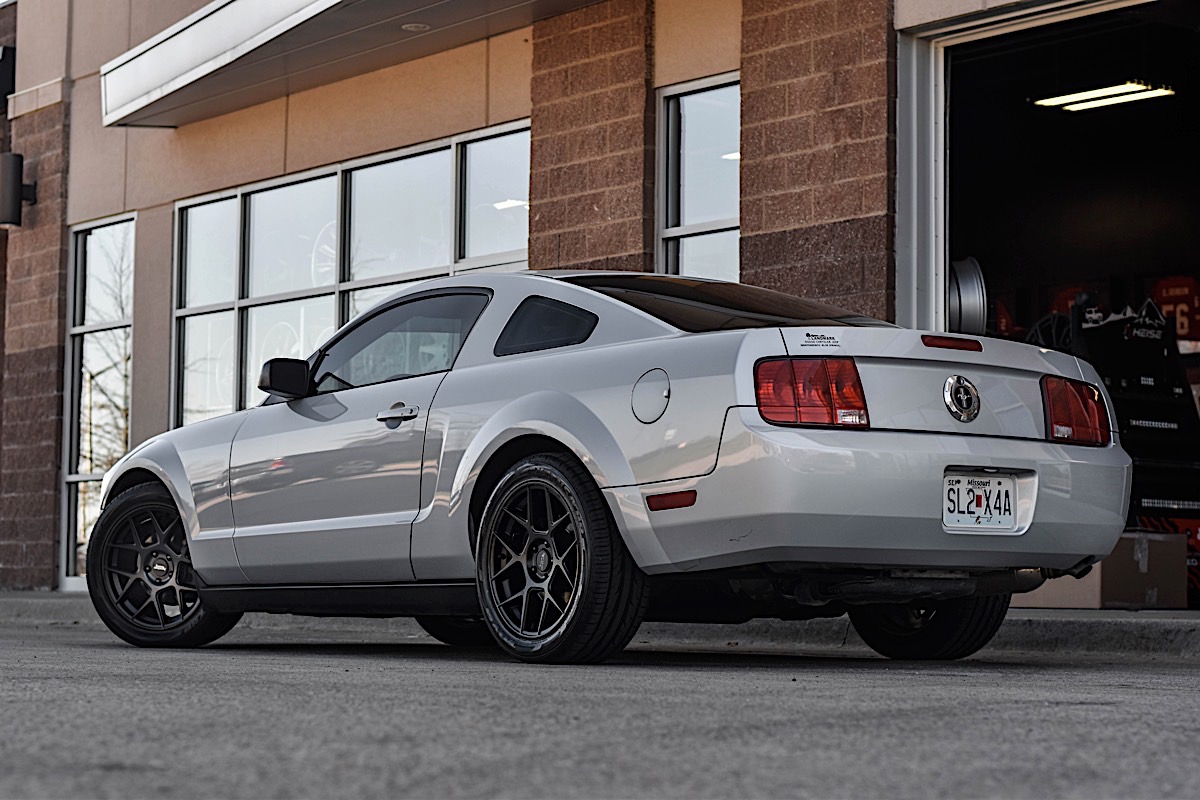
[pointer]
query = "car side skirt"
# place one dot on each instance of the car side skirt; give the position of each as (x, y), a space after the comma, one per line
(371, 600)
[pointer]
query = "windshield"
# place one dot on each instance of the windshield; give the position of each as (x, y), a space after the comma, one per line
(698, 306)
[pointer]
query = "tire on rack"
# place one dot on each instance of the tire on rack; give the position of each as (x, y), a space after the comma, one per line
(931, 631)
(140, 576)
(471, 632)
(556, 582)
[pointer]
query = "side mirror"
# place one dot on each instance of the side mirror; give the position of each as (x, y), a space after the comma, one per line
(285, 377)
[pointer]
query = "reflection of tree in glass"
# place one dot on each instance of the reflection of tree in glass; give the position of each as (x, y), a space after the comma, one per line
(208, 367)
(106, 355)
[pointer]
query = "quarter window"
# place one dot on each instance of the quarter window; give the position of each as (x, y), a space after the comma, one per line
(416, 338)
(699, 207)
(273, 271)
(540, 323)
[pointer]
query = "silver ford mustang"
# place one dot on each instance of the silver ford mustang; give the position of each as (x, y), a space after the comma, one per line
(543, 460)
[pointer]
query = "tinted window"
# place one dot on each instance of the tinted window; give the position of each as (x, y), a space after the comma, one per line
(540, 323)
(696, 305)
(416, 338)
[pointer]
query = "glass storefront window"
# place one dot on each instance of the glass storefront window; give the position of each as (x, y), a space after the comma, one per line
(699, 174)
(284, 330)
(98, 372)
(402, 216)
(709, 133)
(211, 253)
(103, 399)
(293, 237)
(207, 366)
(107, 281)
(497, 195)
(714, 255)
(272, 271)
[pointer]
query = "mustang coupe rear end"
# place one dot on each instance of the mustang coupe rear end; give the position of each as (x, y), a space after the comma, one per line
(541, 461)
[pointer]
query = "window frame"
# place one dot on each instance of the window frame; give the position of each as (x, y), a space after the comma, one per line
(70, 477)
(666, 204)
(343, 286)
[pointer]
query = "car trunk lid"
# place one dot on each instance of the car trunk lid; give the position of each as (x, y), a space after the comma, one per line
(912, 386)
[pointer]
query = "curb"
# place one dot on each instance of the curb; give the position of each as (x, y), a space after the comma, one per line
(1149, 633)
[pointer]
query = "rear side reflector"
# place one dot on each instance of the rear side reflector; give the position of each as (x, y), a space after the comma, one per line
(810, 391)
(664, 502)
(1075, 412)
(952, 343)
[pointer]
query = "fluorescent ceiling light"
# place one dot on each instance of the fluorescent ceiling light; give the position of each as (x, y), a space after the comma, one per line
(504, 205)
(1093, 94)
(732, 156)
(1124, 98)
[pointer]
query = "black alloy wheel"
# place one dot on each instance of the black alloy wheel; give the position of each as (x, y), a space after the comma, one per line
(555, 580)
(931, 631)
(140, 576)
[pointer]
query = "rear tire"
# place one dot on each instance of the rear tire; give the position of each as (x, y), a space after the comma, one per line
(469, 632)
(140, 576)
(931, 631)
(556, 582)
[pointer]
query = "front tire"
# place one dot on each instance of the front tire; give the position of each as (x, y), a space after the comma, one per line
(931, 631)
(140, 576)
(556, 582)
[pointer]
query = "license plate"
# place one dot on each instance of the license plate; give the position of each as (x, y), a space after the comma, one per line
(979, 502)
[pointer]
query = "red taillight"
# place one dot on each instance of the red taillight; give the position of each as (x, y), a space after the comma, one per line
(952, 343)
(810, 391)
(1075, 412)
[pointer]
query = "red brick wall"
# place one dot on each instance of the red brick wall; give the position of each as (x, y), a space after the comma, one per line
(34, 331)
(818, 87)
(592, 159)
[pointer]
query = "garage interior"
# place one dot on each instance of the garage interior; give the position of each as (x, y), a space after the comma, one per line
(1082, 213)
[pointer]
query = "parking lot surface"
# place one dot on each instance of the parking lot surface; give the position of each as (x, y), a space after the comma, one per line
(294, 713)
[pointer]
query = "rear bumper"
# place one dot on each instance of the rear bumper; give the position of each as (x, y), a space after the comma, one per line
(873, 498)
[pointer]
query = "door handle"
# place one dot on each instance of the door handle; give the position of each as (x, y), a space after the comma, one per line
(398, 414)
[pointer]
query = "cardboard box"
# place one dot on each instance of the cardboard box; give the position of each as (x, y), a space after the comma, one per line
(1145, 570)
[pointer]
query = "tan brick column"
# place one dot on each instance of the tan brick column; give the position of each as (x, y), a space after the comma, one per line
(592, 159)
(34, 334)
(818, 93)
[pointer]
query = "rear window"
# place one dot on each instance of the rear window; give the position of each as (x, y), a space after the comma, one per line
(540, 323)
(698, 306)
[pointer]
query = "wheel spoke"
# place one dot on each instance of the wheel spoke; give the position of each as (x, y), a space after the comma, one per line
(554, 525)
(506, 567)
(516, 596)
(523, 523)
(158, 608)
(549, 511)
(542, 615)
(570, 547)
(524, 608)
(566, 577)
(513, 554)
(129, 584)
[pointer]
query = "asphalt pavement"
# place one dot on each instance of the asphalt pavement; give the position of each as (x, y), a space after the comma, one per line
(292, 708)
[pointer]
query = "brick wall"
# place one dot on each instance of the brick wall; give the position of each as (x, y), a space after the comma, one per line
(34, 331)
(817, 205)
(592, 159)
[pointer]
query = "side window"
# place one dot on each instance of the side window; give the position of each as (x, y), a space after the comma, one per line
(540, 323)
(416, 338)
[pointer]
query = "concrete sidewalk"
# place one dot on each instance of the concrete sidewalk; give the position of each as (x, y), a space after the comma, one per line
(1162, 633)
